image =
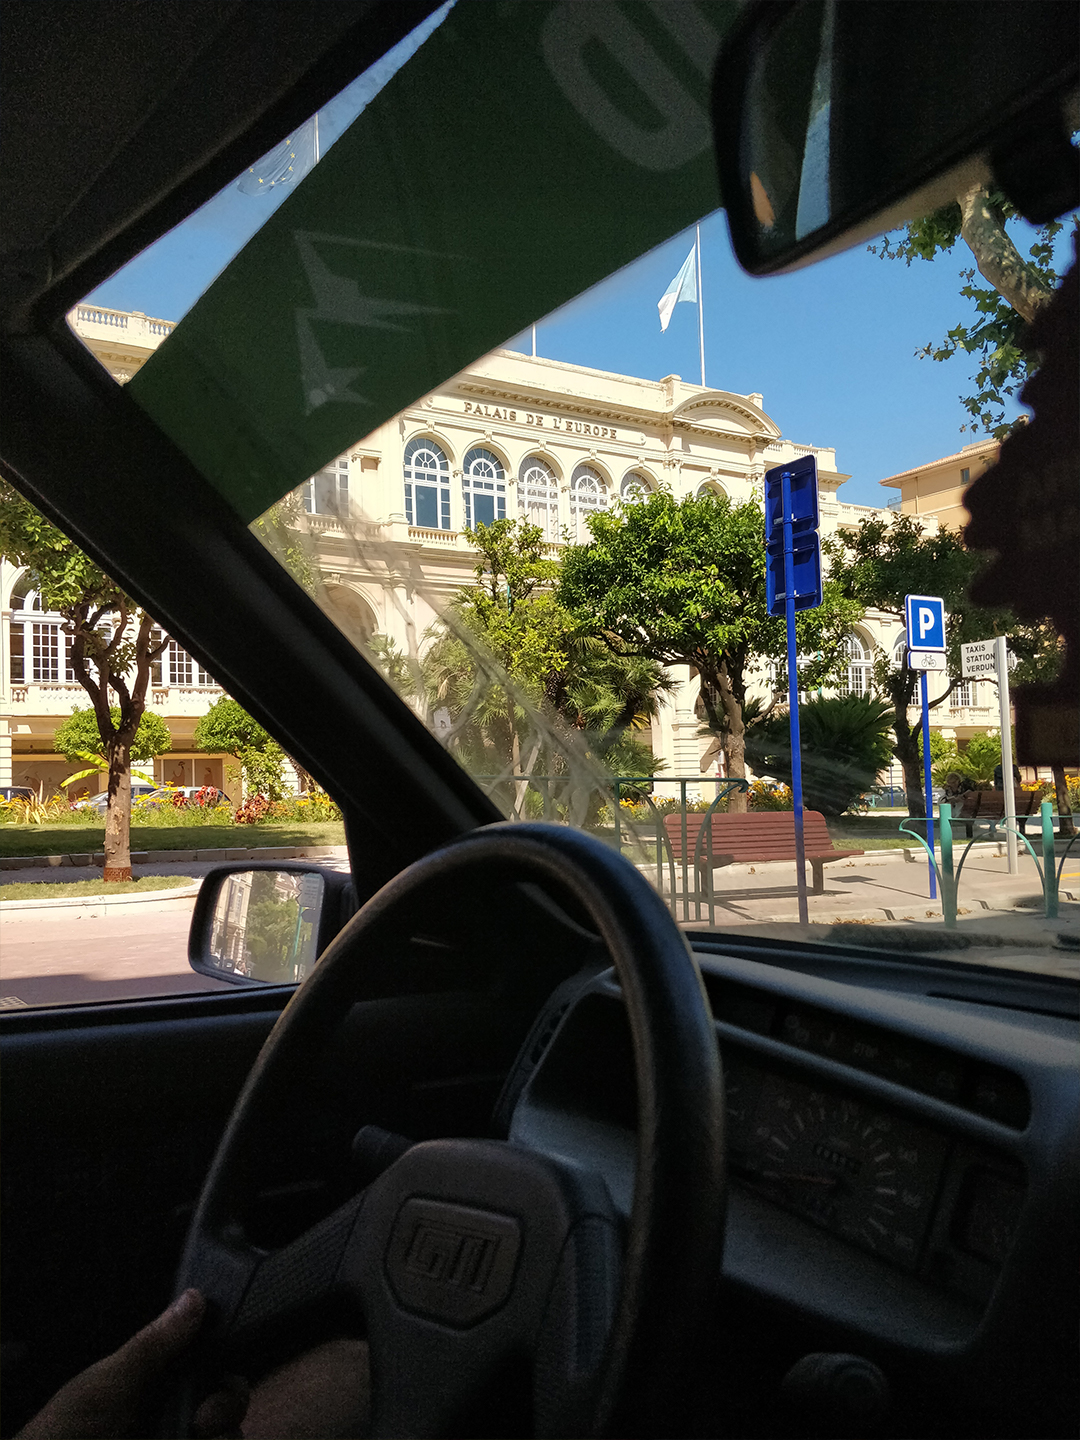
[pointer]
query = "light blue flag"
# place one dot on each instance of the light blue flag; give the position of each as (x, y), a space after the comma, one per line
(285, 164)
(683, 287)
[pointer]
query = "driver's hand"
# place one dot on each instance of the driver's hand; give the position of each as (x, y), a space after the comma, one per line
(120, 1395)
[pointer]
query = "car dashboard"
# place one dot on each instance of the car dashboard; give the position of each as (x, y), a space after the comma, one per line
(902, 1177)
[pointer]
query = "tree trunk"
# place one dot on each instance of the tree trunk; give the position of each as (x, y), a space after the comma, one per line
(1064, 808)
(906, 750)
(118, 814)
(734, 737)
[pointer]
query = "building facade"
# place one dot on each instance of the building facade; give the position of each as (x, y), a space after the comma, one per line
(936, 489)
(513, 435)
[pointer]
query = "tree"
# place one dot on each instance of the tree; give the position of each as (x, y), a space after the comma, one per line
(111, 650)
(844, 743)
(78, 738)
(1020, 291)
(880, 562)
(683, 582)
(528, 691)
(78, 734)
(1019, 288)
(227, 726)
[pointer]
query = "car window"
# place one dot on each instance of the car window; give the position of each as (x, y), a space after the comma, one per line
(556, 554)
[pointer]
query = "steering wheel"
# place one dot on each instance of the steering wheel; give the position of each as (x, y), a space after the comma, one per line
(474, 1261)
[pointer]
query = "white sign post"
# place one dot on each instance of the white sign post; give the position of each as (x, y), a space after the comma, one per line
(1001, 661)
(989, 660)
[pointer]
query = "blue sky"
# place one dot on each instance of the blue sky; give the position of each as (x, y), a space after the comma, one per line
(832, 348)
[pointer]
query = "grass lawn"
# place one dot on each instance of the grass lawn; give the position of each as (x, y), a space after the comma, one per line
(47, 890)
(83, 839)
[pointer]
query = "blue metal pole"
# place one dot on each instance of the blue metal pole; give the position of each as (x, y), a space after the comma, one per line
(928, 782)
(793, 700)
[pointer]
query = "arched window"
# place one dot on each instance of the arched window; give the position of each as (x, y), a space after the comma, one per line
(40, 647)
(712, 489)
(541, 495)
(856, 680)
(898, 649)
(633, 488)
(427, 485)
(483, 486)
(588, 493)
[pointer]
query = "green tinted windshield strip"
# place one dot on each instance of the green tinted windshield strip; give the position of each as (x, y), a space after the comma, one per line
(445, 220)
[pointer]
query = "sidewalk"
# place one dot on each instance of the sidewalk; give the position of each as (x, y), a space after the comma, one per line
(883, 898)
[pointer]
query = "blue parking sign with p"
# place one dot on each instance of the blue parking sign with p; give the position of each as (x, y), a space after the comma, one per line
(925, 619)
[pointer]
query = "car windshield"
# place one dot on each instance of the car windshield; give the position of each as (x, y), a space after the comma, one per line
(533, 487)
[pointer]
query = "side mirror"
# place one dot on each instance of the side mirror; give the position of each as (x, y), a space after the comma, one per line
(266, 923)
(835, 121)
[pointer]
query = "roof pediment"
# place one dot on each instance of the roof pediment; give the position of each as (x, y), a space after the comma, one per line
(723, 410)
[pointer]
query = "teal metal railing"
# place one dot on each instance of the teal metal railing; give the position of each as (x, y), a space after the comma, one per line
(948, 876)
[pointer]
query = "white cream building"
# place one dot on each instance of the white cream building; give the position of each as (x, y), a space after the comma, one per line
(511, 435)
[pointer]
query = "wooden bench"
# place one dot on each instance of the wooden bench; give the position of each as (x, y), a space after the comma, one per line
(757, 836)
(990, 805)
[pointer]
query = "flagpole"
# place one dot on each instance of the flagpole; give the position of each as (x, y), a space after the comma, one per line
(317, 143)
(534, 342)
(700, 307)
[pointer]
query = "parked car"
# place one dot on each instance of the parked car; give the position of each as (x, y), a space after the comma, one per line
(100, 802)
(490, 1132)
(16, 792)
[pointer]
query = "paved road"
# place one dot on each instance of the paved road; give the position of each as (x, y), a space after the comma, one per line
(119, 956)
(116, 957)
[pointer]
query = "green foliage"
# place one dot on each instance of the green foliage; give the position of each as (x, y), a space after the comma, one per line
(63, 574)
(683, 582)
(394, 664)
(975, 762)
(512, 562)
(228, 727)
(110, 634)
(996, 334)
(845, 743)
(79, 735)
(264, 770)
(281, 530)
(112, 647)
(276, 936)
(881, 561)
(527, 689)
(770, 797)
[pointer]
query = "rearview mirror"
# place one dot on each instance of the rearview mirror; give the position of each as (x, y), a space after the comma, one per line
(264, 923)
(835, 121)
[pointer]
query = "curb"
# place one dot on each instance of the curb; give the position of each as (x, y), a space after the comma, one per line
(94, 906)
(880, 915)
(167, 857)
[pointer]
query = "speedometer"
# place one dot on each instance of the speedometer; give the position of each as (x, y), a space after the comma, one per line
(852, 1168)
